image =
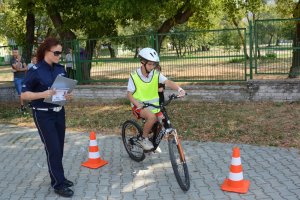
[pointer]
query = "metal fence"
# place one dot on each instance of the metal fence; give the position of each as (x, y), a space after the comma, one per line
(214, 55)
(267, 47)
(277, 44)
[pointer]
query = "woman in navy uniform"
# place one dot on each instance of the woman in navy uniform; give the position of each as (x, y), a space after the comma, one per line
(49, 118)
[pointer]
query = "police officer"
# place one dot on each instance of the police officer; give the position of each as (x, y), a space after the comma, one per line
(49, 118)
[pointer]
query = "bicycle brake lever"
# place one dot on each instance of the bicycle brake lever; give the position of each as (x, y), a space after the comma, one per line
(181, 96)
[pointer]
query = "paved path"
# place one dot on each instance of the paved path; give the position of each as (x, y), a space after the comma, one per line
(274, 173)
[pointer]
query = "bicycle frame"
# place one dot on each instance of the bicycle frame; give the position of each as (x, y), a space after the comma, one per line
(168, 128)
(131, 131)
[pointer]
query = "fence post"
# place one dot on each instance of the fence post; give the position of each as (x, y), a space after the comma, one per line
(152, 40)
(251, 49)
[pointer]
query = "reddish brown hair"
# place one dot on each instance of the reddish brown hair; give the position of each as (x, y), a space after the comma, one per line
(46, 46)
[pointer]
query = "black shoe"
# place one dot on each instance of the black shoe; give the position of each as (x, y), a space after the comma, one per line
(68, 183)
(64, 192)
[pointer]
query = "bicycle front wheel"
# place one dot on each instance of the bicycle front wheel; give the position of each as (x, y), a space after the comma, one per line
(178, 162)
(130, 133)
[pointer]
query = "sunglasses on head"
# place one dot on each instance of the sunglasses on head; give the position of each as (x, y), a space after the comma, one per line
(56, 53)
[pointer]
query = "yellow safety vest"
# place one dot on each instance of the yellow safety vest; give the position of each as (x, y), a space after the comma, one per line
(146, 91)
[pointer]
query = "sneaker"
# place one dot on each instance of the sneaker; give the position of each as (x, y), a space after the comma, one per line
(145, 143)
(158, 150)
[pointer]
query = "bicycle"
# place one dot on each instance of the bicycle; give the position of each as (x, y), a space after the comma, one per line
(131, 131)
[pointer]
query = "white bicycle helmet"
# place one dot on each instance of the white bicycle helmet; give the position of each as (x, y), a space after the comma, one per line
(149, 54)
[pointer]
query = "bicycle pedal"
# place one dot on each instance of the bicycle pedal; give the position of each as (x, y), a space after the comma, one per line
(148, 151)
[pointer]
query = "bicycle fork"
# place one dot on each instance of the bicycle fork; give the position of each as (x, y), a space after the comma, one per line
(178, 143)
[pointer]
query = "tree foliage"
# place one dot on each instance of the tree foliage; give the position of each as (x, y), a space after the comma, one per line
(100, 21)
(12, 23)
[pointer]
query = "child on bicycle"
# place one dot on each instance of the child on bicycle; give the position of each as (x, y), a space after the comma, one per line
(143, 87)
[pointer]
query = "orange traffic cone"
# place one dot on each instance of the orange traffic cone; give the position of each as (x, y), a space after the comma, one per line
(235, 182)
(94, 160)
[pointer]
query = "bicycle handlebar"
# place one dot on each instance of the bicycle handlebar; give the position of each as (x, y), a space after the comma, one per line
(171, 97)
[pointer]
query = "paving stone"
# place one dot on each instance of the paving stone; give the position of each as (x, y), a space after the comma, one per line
(273, 172)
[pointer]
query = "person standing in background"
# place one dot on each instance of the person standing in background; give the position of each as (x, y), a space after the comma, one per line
(49, 118)
(33, 61)
(69, 64)
(19, 69)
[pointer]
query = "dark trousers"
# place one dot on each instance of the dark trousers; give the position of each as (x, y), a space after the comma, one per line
(51, 126)
(71, 73)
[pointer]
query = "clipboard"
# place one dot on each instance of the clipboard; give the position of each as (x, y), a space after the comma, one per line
(62, 85)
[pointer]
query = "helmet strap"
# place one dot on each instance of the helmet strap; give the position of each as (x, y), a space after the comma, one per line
(144, 64)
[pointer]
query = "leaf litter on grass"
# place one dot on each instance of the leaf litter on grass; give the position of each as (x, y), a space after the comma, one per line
(258, 123)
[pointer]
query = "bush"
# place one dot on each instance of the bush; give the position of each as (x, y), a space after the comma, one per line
(269, 55)
(1, 60)
(237, 60)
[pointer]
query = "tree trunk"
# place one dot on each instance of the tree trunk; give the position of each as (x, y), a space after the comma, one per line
(111, 51)
(49, 30)
(30, 24)
(270, 40)
(241, 36)
(86, 66)
(295, 68)
(64, 33)
(176, 48)
(136, 52)
(182, 16)
(277, 41)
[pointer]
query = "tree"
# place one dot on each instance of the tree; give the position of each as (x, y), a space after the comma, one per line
(295, 68)
(291, 9)
(235, 10)
(12, 23)
(181, 16)
(53, 8)
(30, 26)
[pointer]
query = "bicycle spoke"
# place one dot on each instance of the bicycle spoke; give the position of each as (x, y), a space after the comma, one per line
(130, 132)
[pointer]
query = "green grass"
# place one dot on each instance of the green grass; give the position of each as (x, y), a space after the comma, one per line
(271, 124)
(5, 73)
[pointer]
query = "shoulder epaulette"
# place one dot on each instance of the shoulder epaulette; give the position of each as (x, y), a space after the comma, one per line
(34, 67)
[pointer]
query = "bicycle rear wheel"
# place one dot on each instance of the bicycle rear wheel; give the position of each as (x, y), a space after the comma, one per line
(178, 163)
(130, 132)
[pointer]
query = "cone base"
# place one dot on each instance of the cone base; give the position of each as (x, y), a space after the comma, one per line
(94, 165)
(242, 189)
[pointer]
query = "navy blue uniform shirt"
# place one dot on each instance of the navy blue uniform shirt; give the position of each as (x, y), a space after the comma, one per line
(41, 78)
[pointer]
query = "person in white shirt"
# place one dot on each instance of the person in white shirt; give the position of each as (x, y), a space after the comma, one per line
(69, 64)
(33, 61)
